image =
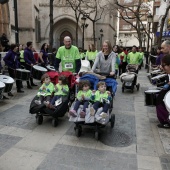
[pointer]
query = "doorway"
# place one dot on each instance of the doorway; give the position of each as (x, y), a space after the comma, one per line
(63, 34)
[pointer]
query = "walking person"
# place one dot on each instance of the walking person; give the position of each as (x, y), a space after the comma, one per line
(22, 62)
(43, 55)
(91, 54)
(106, 59)
(69, 57)
(29, 60)
(11, 60)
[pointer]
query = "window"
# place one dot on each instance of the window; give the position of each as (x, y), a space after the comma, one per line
(126, 27)
(157, 11)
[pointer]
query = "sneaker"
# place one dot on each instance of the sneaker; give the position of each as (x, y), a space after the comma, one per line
(166, 126)
(82, 114)
(73, 113)
(51, 106)
(33, 84)
(20, 91)
(46, 103)
(29, 87)
(38, 102)
(10, 94)
(103, 115)
(92, 111)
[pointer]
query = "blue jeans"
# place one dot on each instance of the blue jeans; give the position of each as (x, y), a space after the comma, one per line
(98, 104)
(78, 103)
(54, 99)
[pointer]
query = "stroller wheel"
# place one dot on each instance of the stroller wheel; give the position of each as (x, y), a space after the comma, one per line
(39, 119)
(112, 120)
(123, 89)
(96, 135)
(78, 131)
(55, 122)
(138, 86)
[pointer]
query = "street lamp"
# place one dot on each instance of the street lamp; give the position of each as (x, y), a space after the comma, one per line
(83, 25)
(101, 36)
(150, 19)
(120, 42)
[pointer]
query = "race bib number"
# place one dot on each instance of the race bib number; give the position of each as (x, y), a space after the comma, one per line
(69, 65)
(41, 93)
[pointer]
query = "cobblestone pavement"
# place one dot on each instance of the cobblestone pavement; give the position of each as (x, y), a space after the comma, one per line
(135, 143)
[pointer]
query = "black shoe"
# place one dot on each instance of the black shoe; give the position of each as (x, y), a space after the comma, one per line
(4, 97)
(29, 87)
(166, 126)
(20, 91)
(34, 84)
(10, 94)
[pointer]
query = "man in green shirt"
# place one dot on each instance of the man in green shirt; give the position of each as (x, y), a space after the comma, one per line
(69, 57)
(134, 57)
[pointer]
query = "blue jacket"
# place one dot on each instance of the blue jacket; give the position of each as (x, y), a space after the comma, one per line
(29, 57)
(94, 80)
(111, 83)
(11, 59)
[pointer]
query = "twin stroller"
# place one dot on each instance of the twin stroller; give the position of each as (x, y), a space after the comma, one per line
(95, 120)
(129, 79)
(63, 103)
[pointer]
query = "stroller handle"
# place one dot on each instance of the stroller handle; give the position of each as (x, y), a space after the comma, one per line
(105, 74)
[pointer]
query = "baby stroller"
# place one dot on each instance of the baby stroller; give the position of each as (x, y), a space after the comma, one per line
(61, 106)
(95, 120)
(129, 79)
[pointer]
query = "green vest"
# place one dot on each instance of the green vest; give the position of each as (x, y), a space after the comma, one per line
(133, 58)
(68, 57)
(60, 92)
(87, 94)
(48, 91)
(22, 56)
(91, 55)
(99, 96)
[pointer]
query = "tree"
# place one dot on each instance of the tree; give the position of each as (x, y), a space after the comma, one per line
(159, 40)
(51, 25)
(91, 11)
(76, 7)
(138, 10)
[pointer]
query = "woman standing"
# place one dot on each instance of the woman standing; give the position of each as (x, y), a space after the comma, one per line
(11, 60)
(43, 55)
(105, 59)
(162, 112)
(91, 54)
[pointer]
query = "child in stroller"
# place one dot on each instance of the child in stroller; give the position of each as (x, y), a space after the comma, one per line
(129, 79)
(61, 89)
(83, 98)
(45, 91)
(62, 106)
(101, 97)
(96, 116)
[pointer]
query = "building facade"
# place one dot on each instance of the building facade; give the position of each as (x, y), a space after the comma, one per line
(34, 24)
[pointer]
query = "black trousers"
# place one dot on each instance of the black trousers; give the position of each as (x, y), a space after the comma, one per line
(28, 67)
(12, 74)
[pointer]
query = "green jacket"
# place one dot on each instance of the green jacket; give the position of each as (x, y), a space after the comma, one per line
(68, 57)
(61, 90)
(49, 89)
(91, 55)
(133, 58)
(87, 95)
(122, 55)
(98, 96)
(22, 56)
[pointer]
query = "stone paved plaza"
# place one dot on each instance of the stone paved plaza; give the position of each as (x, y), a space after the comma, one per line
(135, 143)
